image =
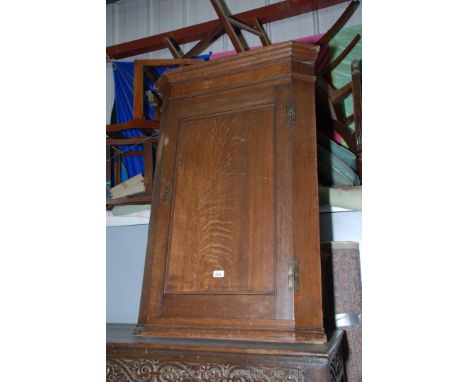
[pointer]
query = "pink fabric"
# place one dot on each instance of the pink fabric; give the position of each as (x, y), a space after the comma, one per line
(339, 139)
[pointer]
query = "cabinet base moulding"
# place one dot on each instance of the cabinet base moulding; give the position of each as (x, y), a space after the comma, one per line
(286, 336)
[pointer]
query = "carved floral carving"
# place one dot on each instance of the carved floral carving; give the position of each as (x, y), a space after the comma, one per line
(337, 367)
(144, 370)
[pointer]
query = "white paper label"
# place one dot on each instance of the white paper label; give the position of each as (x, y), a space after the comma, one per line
(219, 273)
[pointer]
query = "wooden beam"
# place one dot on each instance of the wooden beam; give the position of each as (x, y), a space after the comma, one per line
(244, 26)
(138, 107)
(130, 141)
(133, 124)
(158, 62)
(144, 199)
(132, 153)
(267, 14)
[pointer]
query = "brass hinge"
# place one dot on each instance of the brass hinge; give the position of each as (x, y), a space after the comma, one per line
(291, 114)
(293, 275)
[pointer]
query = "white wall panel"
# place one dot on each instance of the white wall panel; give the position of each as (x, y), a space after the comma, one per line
(110, 26)
(131, 17)
(175, 9)
(292, 28)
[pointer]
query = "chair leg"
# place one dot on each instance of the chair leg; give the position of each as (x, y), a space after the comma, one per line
(228, 26)
(264, 37)
(118, 170)
(205, 42)
(356, 73)
(174, 48)
(148, 167)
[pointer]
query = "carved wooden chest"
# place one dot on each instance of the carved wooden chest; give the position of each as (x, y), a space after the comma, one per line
(133, 358)
(233, 249)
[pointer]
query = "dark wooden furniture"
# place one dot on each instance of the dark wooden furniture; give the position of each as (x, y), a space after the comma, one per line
(133, 358)
(233, 249)
(329, 99)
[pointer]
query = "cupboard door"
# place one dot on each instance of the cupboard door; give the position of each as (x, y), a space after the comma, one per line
(224, 193)
(221, 239)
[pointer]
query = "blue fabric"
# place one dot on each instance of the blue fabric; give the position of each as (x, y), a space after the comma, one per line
(123, 85)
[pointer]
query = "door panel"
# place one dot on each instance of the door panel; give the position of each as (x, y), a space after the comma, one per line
(222, 235)
(228, 306)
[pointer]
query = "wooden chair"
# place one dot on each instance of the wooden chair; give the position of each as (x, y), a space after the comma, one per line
(119, 146)
(356, 72)
(229, 25)
(114, 160)
(336, 96)
(330, 114)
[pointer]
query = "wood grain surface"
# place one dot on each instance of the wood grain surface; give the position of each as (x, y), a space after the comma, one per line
(223, 214)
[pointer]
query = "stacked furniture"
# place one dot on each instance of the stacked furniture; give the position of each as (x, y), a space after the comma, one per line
(119, 146)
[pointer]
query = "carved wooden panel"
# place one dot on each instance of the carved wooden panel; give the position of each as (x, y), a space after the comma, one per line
(145, 370)
(222, 229)
(150, 359)
(336, 367)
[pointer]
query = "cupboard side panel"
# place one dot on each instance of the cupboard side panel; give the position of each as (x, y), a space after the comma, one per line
(308, 298)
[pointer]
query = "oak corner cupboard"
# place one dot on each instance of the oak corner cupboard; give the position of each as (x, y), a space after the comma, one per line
(233, 249)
